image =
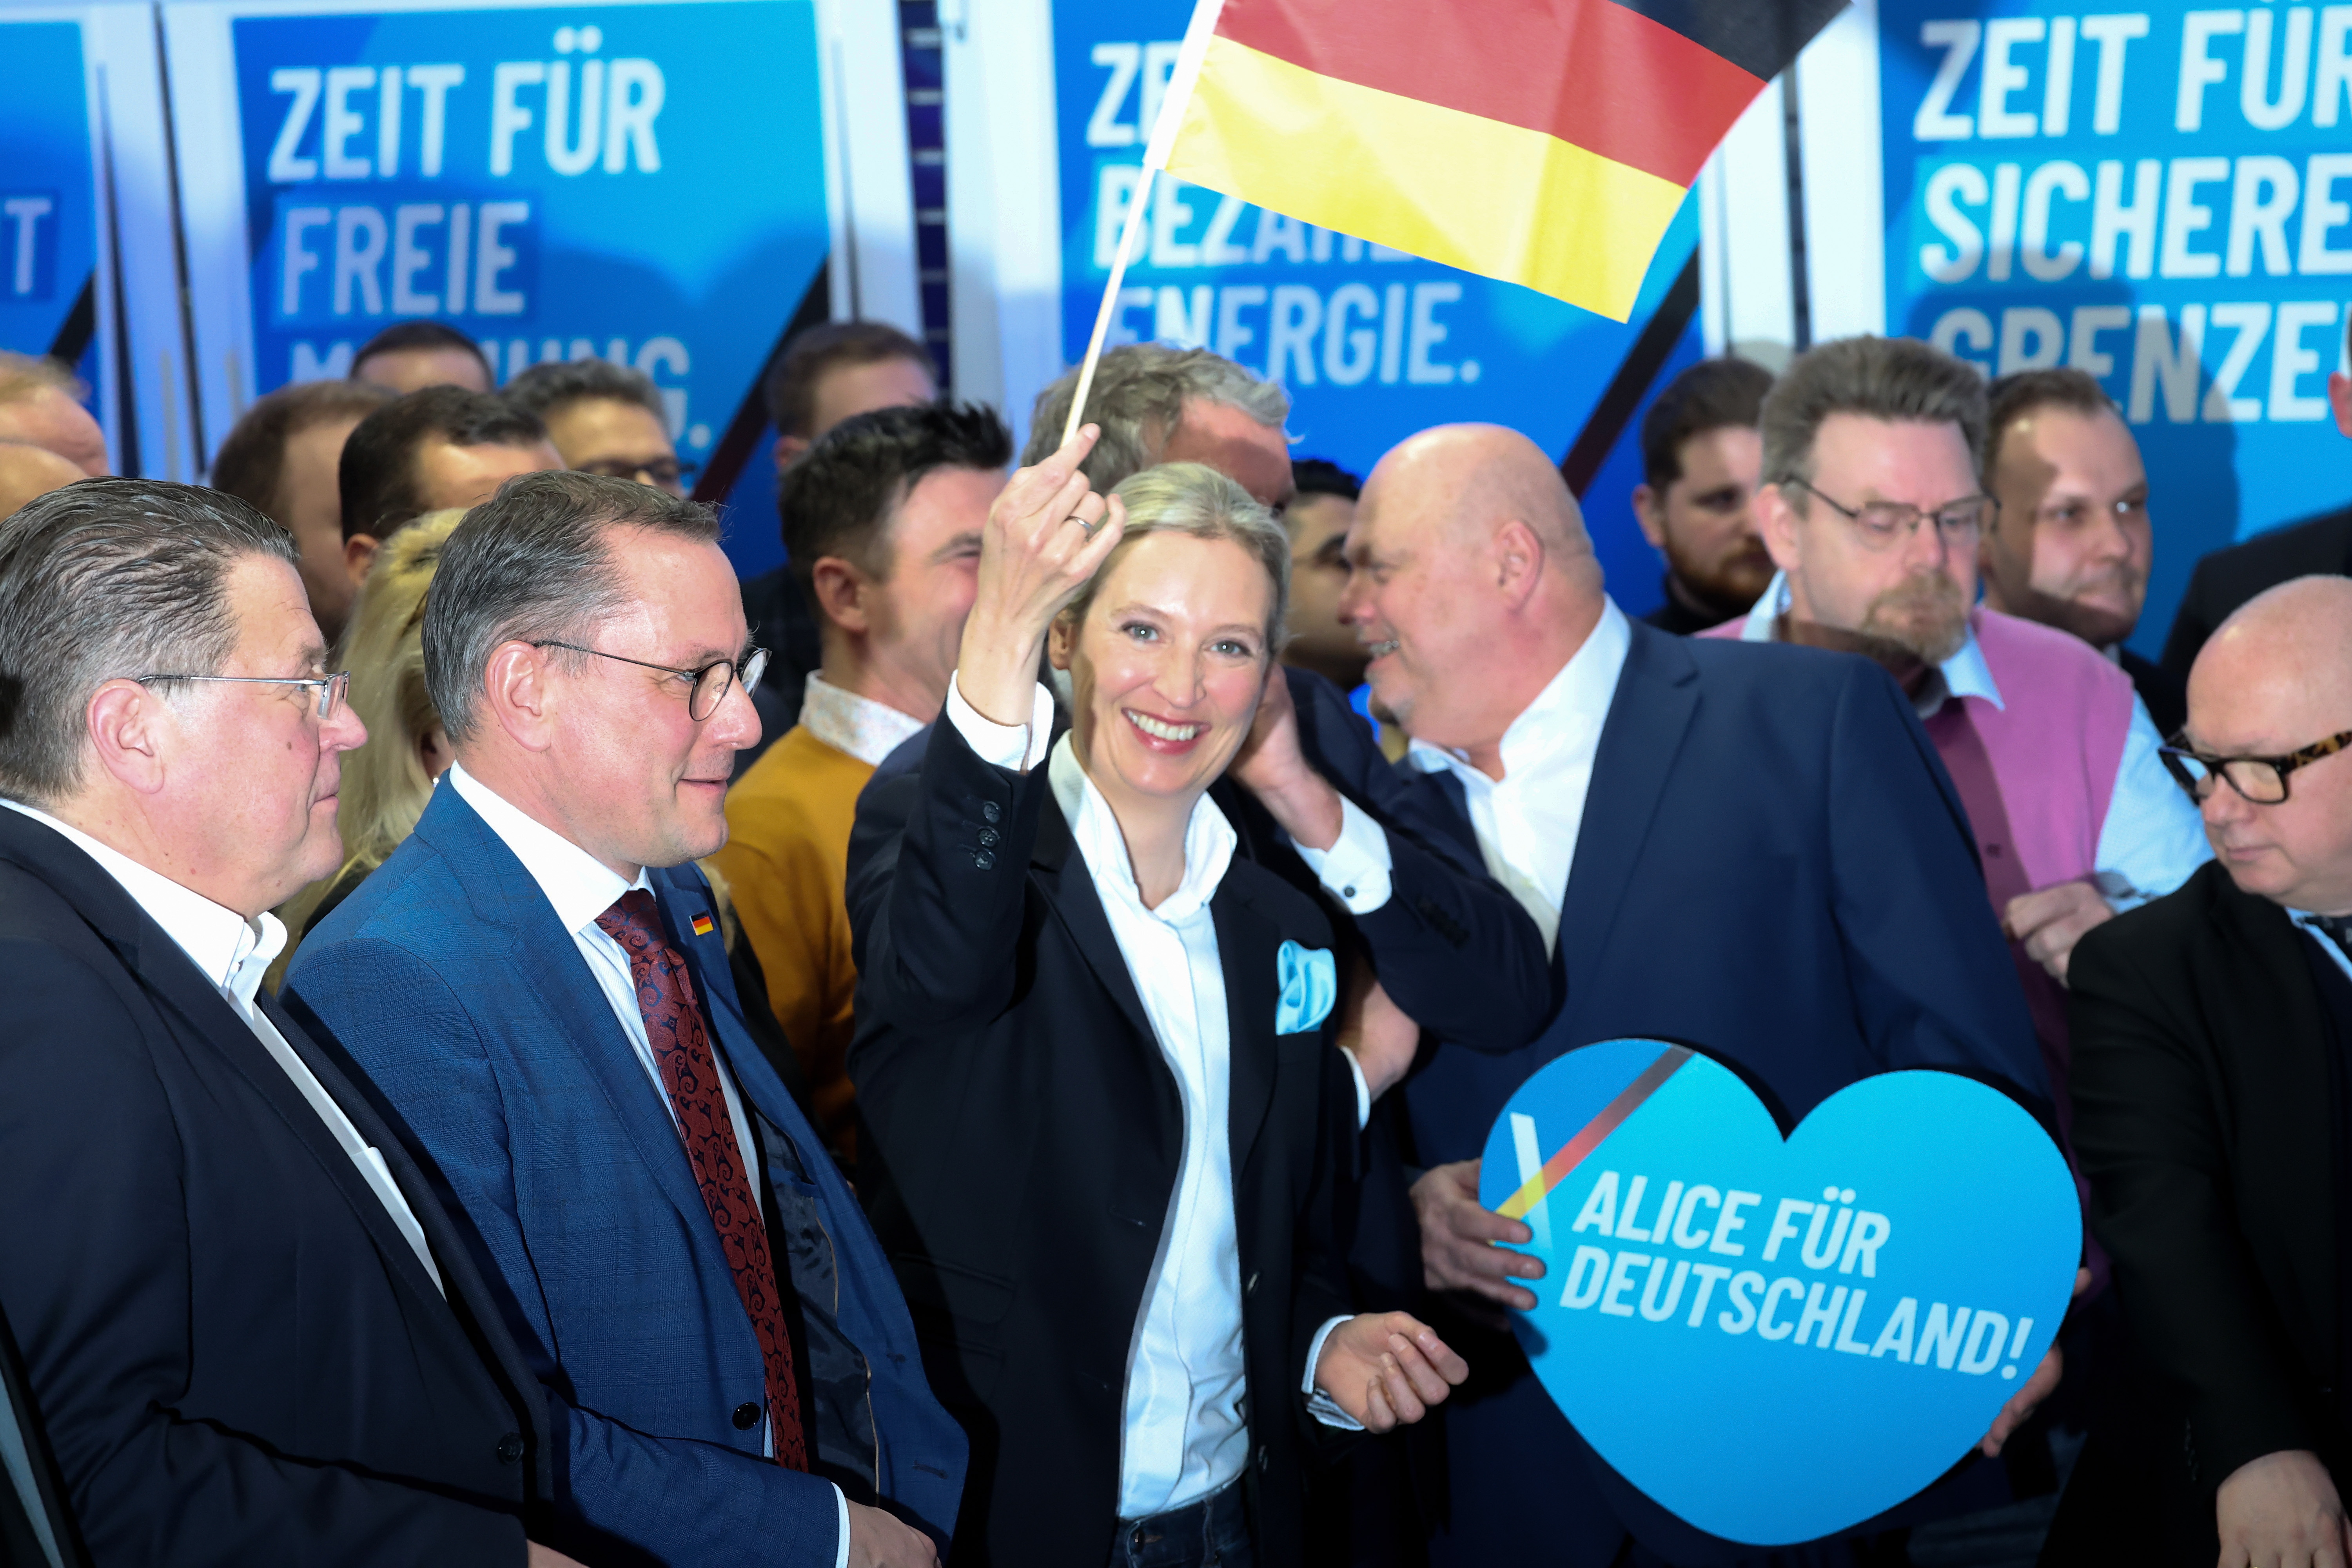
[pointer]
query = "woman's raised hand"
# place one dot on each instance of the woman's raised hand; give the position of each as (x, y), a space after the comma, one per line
(1047, 535)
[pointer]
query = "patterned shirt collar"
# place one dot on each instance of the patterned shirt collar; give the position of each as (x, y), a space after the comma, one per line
(864, 729)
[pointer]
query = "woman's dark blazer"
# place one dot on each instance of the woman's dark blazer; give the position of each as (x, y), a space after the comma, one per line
(1020, 1144)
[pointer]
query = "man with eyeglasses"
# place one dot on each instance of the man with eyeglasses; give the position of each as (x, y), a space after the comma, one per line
(604, 418)
(536, 980)
(1874, 510)
(2070, 542)
(253, 1333)
(2213, 1100)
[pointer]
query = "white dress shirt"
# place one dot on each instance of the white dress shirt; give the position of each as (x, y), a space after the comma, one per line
(232, 953)
(1527, 820)
(1183, 1436)
(580, 887)
(858, 726)
(2150, 841)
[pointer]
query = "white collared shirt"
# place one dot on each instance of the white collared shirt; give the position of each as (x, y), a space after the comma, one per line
(2150, 841)
(1183, 1435)
(232, 953)
(858, 726)
(580, 888)
(1527, 821)
(2304, 921)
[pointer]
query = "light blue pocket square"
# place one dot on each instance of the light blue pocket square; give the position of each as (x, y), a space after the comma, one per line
(1310, 983)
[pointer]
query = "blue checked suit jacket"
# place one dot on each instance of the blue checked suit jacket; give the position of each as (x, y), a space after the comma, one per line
(447, 976)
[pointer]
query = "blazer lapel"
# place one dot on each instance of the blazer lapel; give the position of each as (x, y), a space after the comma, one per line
(504, 894)
(2279, 1013)
(1657, 693)
(1069, 887)
(1246, 942)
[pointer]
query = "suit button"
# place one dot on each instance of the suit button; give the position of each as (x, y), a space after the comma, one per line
(1251, 1289)
(984, 861)
(988, 836)
(510, 1448)
(990, 811)
(1263, 1458)
(747, 1416)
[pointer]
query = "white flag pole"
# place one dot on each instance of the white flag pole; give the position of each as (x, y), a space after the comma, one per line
(1155, 159)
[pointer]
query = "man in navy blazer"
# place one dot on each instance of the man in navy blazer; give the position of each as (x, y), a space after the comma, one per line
(252, 1334)
(729, 1365)
(1749, 849)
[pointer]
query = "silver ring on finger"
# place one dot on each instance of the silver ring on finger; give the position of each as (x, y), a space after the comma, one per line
(1082, 522)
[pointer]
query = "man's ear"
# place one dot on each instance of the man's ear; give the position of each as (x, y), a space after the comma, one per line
(839, 589)
(520, 696)
(1649, 511)
(2339, 397)
(130, 733)
(359, 555)
(1776, 524)
(1518, 560)
(789, 448)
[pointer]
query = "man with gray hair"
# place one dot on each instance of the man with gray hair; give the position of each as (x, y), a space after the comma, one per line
(604, 418)
(1873, 507)
(1161, 404)
(253, 1334)
(536, 980)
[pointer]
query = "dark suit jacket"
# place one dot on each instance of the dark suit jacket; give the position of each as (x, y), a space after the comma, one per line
(237, 1357)
(1773, 865)
(448, 974)
(1450, 946)
(2228, 577)
(2203, 1117)
(1021, 1138)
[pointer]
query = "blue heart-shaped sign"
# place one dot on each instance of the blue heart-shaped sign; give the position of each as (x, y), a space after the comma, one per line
(1776, 1340)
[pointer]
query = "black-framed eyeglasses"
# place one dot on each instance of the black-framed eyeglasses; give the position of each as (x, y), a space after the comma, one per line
(709, 683)
(331, 688)
(2261, 780)
(664, 473)
(1883, 523)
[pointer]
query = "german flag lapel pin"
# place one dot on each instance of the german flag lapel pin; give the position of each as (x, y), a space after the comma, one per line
(702, 926)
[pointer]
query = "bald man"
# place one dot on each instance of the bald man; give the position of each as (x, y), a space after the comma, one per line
(28, 472)
(1749, 849)
(2210, 1079)
(40, 406)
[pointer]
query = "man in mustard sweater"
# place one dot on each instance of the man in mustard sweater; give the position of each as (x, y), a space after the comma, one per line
(882, 521)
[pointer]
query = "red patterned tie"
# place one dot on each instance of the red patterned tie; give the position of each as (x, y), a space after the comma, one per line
(682, 1050)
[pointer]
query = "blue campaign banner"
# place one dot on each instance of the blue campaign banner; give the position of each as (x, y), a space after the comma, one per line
(1778, 1339)
(49, 208)
(648, 184)
(1373, 344)
(2162, 197)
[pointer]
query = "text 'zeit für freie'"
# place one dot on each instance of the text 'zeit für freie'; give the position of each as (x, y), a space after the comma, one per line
(1833, 1243)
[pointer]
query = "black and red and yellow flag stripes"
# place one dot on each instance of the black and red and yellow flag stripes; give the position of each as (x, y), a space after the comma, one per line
(1546, 142)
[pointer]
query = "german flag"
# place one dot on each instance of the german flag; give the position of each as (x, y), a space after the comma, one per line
(1546, 143)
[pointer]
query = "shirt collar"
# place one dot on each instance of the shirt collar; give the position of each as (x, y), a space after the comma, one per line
(580, 886)
(1966, 673)
(231, 951)
(1569, 708)
(864, 729)
(1208, 841)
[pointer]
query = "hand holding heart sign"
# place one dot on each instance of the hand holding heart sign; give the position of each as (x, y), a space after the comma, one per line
(1719, 1309)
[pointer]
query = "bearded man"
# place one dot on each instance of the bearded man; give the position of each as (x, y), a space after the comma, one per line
(1873, 509)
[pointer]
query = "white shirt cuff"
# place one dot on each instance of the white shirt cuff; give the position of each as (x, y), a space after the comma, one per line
(1363, 1090)
(1356, 868)
(1016, 747)
(840, 1504)
(1319, 1405)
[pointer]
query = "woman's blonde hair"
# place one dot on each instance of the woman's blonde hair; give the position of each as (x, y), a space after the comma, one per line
(1196, 499)
(384, 786)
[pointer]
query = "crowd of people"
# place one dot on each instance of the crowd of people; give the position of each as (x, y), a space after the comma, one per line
(975, 1046)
